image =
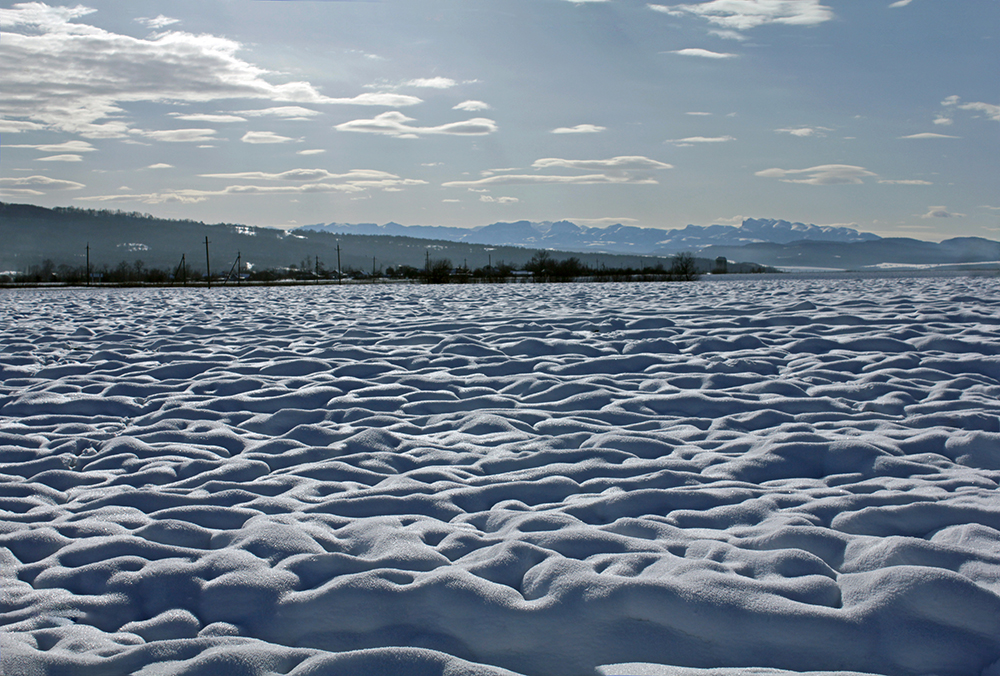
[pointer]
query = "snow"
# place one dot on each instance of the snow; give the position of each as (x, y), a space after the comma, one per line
(704, 479)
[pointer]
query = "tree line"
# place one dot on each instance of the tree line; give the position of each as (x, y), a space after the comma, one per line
(542, 267)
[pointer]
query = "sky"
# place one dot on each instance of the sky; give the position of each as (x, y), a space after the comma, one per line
(879, 115)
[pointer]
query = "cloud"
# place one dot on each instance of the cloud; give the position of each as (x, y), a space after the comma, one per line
(307, 175)
(160, 165)
(472, 106)
(728, 35)
(264, 137)
(394, 123)
(201, 117)
(68, 146)
(158, 22)
(288, 112)
(825, 174)
(60, 158)
(803, 132)
(35, 184)
(528, 179)
(703, 53)
(179, 135)
(498, 200)
(744, 14)
(900, 3)
(943, 120)
(904, 181)
(698, 113)
(701, 139)
(940, 212)
(579, 129)
(928, 135)
(68, 76)
(991, 110)
(355, 182)
(311, 151)
(624, 170)
(622, 163)
(431, 82)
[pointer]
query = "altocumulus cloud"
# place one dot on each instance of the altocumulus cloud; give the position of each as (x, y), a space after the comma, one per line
(265, 137)
(472, 106)
(825, 174)
(579, 129)
(65, 75)
(745, 14)
(703, 53)
(35, 185)
(626, 169)
(394, 123)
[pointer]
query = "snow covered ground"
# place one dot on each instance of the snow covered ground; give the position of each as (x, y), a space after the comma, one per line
(549, 480)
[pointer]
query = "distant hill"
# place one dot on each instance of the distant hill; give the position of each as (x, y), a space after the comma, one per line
(624, 239)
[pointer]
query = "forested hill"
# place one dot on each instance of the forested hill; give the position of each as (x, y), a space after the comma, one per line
(31, 235)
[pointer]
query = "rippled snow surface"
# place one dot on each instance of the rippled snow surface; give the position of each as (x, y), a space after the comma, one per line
(538, 479)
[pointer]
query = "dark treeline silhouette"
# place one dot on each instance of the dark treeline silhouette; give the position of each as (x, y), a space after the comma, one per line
(542, 267)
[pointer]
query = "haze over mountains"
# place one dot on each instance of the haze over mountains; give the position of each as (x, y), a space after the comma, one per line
(773, 242)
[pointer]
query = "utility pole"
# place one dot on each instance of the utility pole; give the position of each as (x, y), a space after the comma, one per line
(338, 263)
(373, 268)
(88, 263)
(317, 269)
(208, 266)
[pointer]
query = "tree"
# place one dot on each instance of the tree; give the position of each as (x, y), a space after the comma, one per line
(683, 268)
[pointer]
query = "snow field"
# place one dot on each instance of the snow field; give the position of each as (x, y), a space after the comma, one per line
(531, 479)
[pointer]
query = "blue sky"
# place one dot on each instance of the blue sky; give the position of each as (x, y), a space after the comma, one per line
(877, 114)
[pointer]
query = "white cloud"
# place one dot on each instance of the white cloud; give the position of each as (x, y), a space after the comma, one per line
(928, 135)
(60, 158)
(362, 180)
(943, 120)
(991, 110)
(307, 175)
(73, 77)
(622, 163)
(67, 147)
(179, 135)
(624, 170)
(158, 22)
(528, 179)
(900, 3)
(940, 212)
(498, 200)
(471, 106)
(431, 82)
(451, 201)
(803, 132)
(264, 137)
(311, 151)
(160, 165)
(913, 181)
(579, 129)
(728, 35)
(701, 139)
(826, 174)
(17, 126)
(698, 113)
(34, 183)
(288, 112)
(744, 14)
(703, 53)
(394, 123)
(201, 117)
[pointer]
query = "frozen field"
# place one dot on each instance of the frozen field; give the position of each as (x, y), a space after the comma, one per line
(549, 480)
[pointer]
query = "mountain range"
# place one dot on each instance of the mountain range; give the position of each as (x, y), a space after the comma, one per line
(621, 239)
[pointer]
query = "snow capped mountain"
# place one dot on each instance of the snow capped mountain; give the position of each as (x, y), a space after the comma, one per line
(568, 236)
